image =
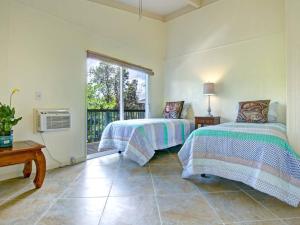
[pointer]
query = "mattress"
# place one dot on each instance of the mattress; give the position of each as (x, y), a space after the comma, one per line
(141, 137)
(258, 155)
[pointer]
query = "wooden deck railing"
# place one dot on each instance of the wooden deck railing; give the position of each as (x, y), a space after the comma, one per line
(98, 119)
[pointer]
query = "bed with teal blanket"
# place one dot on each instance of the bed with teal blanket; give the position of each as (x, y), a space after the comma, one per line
(141, 137)
(258, 155)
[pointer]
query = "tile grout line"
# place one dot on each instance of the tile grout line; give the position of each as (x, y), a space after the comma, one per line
(46, 211)
(108, 195)
(14, 196)
(196, 193)
(56, 199)
(155, 196)
(20, 191)
(213, 208)
(261, 204)
(290, 218)
(251, 221)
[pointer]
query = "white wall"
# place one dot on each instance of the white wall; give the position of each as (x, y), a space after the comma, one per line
(293, 75)
(4, 28)
(43, 48)
(236, 43)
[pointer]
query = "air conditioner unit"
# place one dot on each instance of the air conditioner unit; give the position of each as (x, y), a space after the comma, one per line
(53, 119)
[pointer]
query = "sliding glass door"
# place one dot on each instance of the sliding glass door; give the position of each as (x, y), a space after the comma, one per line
(103, 97)
(135, 99)
(114, 92)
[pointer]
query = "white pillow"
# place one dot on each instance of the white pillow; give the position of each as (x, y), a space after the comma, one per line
(273, 112)
(185, 110)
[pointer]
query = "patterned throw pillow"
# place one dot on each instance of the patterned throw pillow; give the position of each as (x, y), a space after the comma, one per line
(173, 110)
(253, 111)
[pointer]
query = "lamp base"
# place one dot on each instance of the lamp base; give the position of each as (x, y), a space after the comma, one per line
(209, 108)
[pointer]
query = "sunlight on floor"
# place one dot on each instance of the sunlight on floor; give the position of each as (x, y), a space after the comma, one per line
(114, 190)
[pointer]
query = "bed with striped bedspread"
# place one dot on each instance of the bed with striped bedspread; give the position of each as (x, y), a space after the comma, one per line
(141, 137)
(256, 154)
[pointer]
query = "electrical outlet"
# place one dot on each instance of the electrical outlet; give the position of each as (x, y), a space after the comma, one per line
(38, 95)
(73, 160)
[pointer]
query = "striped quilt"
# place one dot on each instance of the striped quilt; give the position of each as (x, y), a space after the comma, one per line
(256, 154)
(140, 138)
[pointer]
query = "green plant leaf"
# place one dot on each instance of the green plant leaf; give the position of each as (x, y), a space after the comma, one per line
(7, 119)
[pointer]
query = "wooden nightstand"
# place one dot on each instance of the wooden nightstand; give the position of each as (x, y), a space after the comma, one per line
(201, 121)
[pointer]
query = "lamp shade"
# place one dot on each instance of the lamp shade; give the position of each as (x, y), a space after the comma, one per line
(209, 89)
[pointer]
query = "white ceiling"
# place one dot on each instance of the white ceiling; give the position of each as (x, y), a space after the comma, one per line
(160, 7)
(163, 10)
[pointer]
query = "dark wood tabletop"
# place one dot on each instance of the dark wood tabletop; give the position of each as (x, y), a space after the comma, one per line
(22, 146)
(26, 152)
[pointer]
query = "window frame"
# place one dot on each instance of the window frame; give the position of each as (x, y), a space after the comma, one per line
(123, 65)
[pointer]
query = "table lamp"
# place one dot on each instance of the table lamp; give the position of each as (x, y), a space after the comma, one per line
(209, 89)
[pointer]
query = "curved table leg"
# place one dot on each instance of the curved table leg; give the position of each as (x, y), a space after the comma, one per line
(40, 163)
(27, 169)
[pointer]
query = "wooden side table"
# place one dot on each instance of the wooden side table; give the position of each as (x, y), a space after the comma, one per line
(201, 121)
(25, 152)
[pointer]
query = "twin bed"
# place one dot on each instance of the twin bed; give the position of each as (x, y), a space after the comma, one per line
(141, 137)
(256, 154)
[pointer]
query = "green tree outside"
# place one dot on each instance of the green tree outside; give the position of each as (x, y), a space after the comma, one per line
(103, 88)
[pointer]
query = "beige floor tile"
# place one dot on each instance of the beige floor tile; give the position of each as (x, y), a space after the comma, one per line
(186, 210)
(52, 188)
(138, 210)
(212, 184)
(22, 211)
(77, 211)
(278, 207)
(132, 200)
(237, 207)
(88, 188)
(165, 170)
(133, 185)
(129, 168)
(267, 222)
(295, 221)
(164, 158)
(165, 185)
(109, 160)
(128, 162)
(96, 171)
(244, 187)
(9, 188)
(66, 173)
